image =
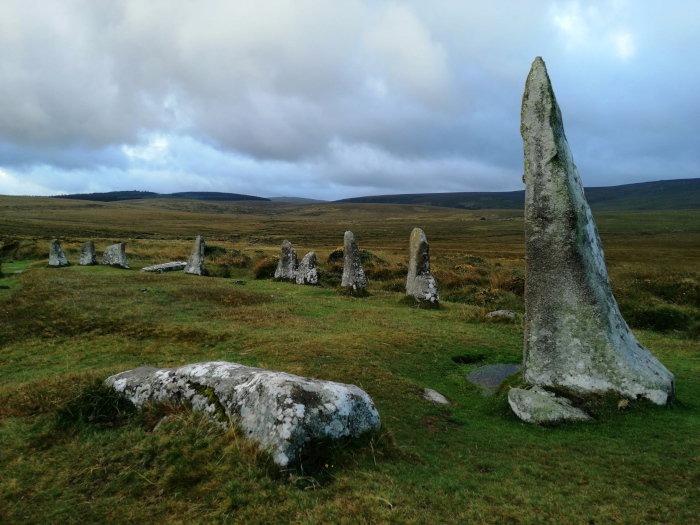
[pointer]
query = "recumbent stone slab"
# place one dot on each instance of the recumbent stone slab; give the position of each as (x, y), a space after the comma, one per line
(420, 283)
(288, 263)
(56, 255)
(115, 254)
(353, 273)
(195, 264)
(281, 412)
(575, 336)
(174, 266)
(538, 406)
(306, 273)
(88, 257)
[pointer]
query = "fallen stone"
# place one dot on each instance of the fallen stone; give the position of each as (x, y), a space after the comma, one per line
(420, 282)
(283, 413)
(575, 336)
(543, 408)
(502, 313)
(56, 255)
(239, 282)
(435, 397)
(306, 272)
(174, 266)
(88, 257)
(115, 254)
(353, 273)
(288, 262)
(490, 377)
(195, 265)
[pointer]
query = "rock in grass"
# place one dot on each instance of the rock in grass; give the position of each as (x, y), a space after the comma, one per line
(502, 313)
(283, 413)
(306, 273)
(56, 255)
(353, 273)
(195, 265)
(575, 336)
(288, 262)
(115, 254)
(543, 408)
(435, 397)
(420, 282)
(174, 266)
(88, 257)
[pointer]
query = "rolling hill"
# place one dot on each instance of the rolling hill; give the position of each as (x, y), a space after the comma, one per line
(112, 196)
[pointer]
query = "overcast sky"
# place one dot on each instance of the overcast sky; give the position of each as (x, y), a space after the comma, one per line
(337, 98)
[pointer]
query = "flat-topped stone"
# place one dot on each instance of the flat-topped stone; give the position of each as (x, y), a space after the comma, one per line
(115, 255)
(56, 255)
(420, 283)
(575, 336)
(282, 412)
(195, 264)
(540, 407)
(174, 266)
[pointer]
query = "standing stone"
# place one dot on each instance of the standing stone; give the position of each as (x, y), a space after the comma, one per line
(306, 273)
(195, 265)
(575, 336)
(87, 254)
(288, 263)
(420, 283)
(115, 254)
(56, 255)
(353, 273)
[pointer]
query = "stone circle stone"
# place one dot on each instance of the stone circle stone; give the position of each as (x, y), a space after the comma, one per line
(282, 412)
(56, 255)
(195, 264)
(353, 273)
(306, 272)
(575, 336)
(88, 257)
(288, 262)
(420, 283)
(174, 266)
(115, 254)
(540, 407)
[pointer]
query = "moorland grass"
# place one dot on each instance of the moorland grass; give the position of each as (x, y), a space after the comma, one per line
(72, 454)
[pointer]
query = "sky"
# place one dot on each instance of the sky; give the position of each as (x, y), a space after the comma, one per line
(336, 99)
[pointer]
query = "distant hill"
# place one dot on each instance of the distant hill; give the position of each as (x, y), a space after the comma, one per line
(112, 196)
(679, 194)
(296, 200)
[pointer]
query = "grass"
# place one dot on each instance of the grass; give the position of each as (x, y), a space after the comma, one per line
(73, 454)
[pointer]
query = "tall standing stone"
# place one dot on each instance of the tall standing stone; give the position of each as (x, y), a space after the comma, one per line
(87, 254)
(56, 255)
(353, 273)
(115, 254)
(306, 273)
(195, 265)
(575, 336)
(288, 263)
(420, 282)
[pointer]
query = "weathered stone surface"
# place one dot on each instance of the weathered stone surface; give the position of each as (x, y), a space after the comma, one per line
(288, 263)
(56, 255)
(502, 313)
(174, 266)
(420, 282)
(87, 254)
(115, 254)
(435, 397)
(282, 412)
(306, 273)
(195, 265)
(543, 408)
(575, 336)
(353, 273)
(490, 377)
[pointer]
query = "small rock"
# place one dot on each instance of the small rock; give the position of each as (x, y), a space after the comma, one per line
(116, 254)
(288, 262)
(502, 313)
(88, 257)
(174, 266)
(435, 397)
(306, 272)
(239, 282)
(195, 265)
(541, 407)
(56, 256)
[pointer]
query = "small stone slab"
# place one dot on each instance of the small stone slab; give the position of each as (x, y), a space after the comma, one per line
(435, 397)
(490, 377)
(174, 266)
(502, 313)
(540, 407)
(282, 412)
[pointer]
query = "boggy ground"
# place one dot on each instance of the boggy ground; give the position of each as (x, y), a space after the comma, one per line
(72, 453)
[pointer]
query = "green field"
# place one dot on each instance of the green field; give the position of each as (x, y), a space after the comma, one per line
(71, 453)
